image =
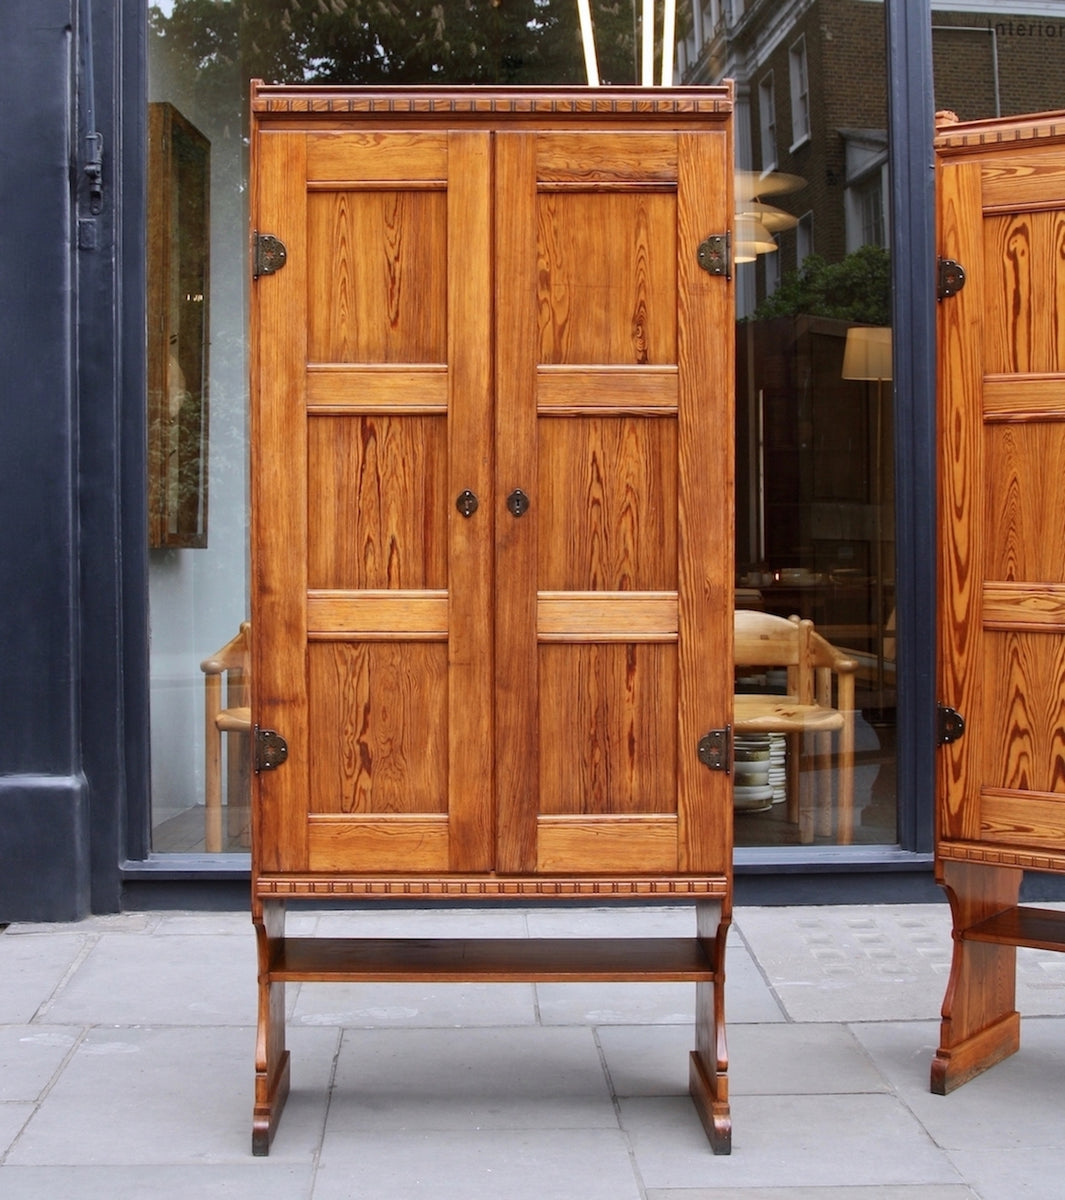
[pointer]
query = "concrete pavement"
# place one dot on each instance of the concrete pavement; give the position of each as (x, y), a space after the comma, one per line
(126, 1056)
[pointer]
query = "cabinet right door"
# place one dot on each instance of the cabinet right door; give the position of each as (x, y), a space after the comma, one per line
(1001, 201)
(614, 416)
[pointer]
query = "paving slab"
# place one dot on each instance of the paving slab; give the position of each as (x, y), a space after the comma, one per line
(13, 1119)
(621, 920)
(266, 1181)
(786, 1142)
(749, 998)
(770, 1059)
(1018, 1102)
(1036, 1173)
(932, 1191)
(32, 967)
(853, 962)
(470, 1079)
(123, 922)
(616, 1003)
(30, 1056)
(160, 980)
(422, 923)
(172, 1096)
(562, 1164)
(414, 1005)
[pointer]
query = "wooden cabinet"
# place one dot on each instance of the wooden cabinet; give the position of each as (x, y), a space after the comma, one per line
(1001, 784)
(492, 527)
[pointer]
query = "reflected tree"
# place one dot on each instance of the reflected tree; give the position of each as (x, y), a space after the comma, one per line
(857, 289)
(520, 42)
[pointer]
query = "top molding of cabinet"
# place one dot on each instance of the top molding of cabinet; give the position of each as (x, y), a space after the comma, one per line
(961, 137)
(494, 104)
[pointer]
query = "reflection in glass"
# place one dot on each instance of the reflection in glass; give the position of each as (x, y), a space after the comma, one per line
(814, 443)
(202, 55)
(988, 62)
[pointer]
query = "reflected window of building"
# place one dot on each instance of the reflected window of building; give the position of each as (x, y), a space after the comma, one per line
(865, 158)
(767, 120)
(771, 273)
(804, 238)
(800, 92)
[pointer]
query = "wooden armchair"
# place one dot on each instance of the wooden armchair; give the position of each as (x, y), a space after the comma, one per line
(819, 701)
(233, 717)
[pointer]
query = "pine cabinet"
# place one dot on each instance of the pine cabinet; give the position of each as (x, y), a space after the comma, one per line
(1000, 795)
(492, 461)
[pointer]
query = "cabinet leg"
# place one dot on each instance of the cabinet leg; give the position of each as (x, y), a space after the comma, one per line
(708, 1065)
(271, 1057)
(980, 1023)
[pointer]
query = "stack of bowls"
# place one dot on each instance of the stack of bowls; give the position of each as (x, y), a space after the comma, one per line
(751, 789)
(778, 772)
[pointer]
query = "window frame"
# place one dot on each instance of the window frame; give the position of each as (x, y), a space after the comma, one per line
(911, 106)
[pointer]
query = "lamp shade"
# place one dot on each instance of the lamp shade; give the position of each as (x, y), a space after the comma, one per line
(752, 239)
(867, 354)
(772, 218)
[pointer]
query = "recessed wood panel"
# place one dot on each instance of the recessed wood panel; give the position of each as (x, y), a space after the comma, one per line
(1025, 292)
(377, 156)
(378, 732)
(412, 844)
(377, 388)
(606, 617)
(377, 277)
(608, 716)
(1009, 605)
(1035, 179)
(584, 389)
(1025, 704)
(606, 501)
(377, 502)
(606, 844)
(607, 278)
(627, 158)
(1025, 499)
(1023, 819)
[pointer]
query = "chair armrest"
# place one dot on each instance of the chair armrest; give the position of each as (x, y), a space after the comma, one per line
(231, 656)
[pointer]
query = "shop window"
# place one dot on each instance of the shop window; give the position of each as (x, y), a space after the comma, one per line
(201, 57)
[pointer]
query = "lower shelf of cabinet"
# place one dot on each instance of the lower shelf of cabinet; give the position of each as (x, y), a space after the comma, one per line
(490, 960)
(1038, 928)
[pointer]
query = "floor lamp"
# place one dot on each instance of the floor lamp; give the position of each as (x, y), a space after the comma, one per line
(867, 356)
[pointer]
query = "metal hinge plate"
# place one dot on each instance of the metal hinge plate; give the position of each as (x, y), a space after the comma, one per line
(950, 278)
(268, 254)
(271, 750)
(715, 749)
(715, 254)
(950, 724)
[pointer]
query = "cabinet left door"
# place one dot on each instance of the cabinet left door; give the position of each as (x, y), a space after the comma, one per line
(371, 520)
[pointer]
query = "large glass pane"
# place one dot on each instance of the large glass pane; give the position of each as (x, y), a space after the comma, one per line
(202, 55)
(814, 436)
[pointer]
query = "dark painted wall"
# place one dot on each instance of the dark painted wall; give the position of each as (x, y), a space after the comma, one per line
(70, 600)
(43, 796)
